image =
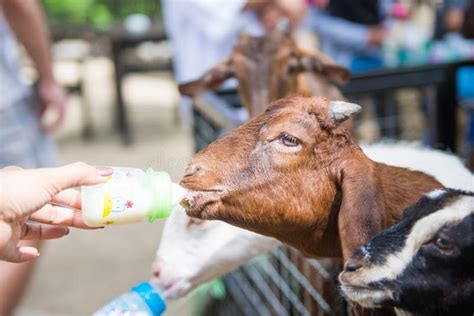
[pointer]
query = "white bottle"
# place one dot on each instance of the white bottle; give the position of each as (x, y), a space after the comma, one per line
(143, 300)
(130, 195)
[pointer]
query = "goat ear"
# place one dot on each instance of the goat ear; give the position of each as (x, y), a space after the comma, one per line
(211, 80)
(339, 111)
(338, 74)
(361, 210)
(322, 64)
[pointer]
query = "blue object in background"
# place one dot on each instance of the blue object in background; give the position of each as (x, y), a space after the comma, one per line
(365, 63)
(465, 90)
(143, 299)
(465, 83)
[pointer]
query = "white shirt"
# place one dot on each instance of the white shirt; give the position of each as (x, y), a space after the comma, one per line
(12, 88)
(203, 32)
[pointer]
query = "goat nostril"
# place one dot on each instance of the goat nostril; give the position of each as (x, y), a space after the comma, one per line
(192, 170)
(352, 266)
(156, 271)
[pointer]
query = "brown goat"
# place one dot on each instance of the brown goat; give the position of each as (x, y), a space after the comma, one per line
(269, 68)
(295, 174)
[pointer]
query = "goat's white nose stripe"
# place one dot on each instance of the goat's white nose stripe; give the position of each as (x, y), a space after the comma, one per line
(421, 232)
(436, 193)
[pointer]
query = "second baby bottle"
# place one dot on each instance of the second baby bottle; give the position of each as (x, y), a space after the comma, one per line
(130, 195)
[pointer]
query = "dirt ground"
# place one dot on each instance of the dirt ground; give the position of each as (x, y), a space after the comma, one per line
(85, 270)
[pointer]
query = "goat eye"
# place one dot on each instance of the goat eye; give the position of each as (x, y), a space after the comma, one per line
(289, 140)
(443, 243)
(292, 67)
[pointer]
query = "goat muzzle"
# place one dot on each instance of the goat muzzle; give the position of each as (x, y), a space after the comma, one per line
(202, 204)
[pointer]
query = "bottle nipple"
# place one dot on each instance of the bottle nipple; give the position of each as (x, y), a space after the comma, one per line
(177, 193)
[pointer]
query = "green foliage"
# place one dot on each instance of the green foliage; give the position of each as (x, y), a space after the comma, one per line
(72, 11)
(152, 8)
(101, 17)
(99, 14)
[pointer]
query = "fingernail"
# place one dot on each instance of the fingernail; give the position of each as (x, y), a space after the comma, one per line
(29, 251)
(66, 231)
(105, 171)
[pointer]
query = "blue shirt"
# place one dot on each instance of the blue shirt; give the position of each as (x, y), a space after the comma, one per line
(342, 39)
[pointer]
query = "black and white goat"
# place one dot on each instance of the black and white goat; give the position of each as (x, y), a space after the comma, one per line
(424, 265)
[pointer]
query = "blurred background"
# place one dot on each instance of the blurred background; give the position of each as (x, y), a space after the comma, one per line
(412, 70)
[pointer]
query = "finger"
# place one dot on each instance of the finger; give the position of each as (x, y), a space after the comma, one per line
(69, 197)
(61, 111)
(59, 216)
(74, 175)
(38, 231)
(22, 254)
(59, 117)
(42, 111)
(42, 108)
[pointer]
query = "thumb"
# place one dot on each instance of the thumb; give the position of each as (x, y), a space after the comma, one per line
(76, 174)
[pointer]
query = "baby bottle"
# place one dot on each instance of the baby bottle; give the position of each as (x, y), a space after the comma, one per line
(130, 195)
(143, 299)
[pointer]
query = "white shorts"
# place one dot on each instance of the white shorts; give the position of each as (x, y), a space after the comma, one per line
(22, 142)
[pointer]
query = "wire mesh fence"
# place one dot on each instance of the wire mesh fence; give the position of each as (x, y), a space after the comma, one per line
(281, 283)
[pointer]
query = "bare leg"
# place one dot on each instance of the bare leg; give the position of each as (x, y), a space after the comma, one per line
(14, 278)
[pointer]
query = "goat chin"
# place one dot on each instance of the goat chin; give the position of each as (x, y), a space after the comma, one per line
(366, 297)
(401, 312)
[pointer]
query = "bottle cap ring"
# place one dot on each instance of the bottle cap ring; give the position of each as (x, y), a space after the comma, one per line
(160, 183)
(151, 297)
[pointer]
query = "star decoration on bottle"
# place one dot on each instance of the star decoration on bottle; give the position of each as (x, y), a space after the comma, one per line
(129, 204)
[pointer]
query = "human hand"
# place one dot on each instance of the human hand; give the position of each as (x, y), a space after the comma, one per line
(52, 97)
(270, 16)
(322, 4)
(376, 36)
(277, 10)
(294, 10)
(26, 194)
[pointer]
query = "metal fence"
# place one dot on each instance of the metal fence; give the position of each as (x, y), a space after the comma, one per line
(283, 282)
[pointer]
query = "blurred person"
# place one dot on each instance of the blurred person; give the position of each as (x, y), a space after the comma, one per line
(22, 135)
(350, 30)
(468, 25)
(449, 17)
(451, 20)
(204, 32)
